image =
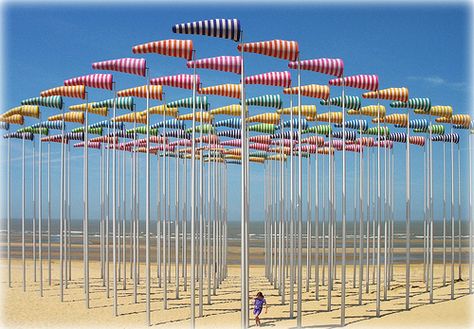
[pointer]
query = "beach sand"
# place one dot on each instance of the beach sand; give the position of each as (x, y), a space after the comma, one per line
(28, 309)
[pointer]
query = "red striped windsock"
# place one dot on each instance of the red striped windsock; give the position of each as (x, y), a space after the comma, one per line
(278, 79)
(171, 47)
(98, 80)
(331, 66)
(275, 48)
(361, 81)
(184, 81)
(126, 65)
(221, 63)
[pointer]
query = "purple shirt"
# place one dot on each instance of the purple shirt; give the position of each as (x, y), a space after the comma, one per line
(259, 302)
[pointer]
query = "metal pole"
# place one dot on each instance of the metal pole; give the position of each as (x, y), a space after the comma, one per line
(300, 208)
(343, 273)
(407, 214)
(23, 213)
(40, 213)
(147, 204)
(193, 199)
(86, 203)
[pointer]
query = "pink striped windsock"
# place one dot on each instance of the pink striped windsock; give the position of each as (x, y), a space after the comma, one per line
(97, 80)
(126, 65)
(262, 139)
(278, 79)
(361, 81)
(222, 63)
(330, 66)
(184, 81)
(171, 47)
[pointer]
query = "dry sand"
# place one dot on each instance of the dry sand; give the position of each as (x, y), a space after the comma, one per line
(28, 309)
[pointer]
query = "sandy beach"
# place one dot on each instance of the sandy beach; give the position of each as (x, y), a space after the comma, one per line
(27, 309)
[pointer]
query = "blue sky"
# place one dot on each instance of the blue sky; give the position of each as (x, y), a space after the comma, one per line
(424, 47)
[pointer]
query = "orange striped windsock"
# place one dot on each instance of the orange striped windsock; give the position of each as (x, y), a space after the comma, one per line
(371, 111)
(69, 117)
(306, 110)
(16, 119)
(334, 117)
(400, 119)
(441, 111)
(326, 150)
(171, 47)
(163, 109)
(275, 48)
(155, 92)
(24, 110)
(272, 118)
(66, 91)
(393, 94)
(103, 111)
(227, 90)
(315, 91)
(131, 117)
(460, 119)
(233, 110)
(206, 117)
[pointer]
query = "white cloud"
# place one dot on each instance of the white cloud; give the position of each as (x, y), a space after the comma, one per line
(438, 81)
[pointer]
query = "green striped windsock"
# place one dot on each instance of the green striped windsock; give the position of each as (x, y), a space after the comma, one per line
(36, 131)
(266, 101)
(124, 103)
(258, 154)
(266, 128)
(50, 101)
(350, 102)
(92, 131)
(423, 104)
(206, 128)
(319, 130)
(373, 131)
(435, 130)
(142, 130)
(398, 104)
(201, 102)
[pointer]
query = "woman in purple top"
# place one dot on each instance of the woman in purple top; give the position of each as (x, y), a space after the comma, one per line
(258, 307)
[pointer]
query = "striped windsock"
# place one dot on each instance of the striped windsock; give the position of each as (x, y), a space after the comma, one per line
(208, 139)
(230, 123)
(124, 103)
(361, 81)
(68, 117)
(383, 131)
(435, 130)
(265, 128)
(26, 136)
(261, 139)
(107, 124)
(66, 91)
(226, 90)
(126, 65)
(350, 102)
(285, 142)
(91, 131)
(304, 123)
(393, 94)
(231, 64)
(91, 145)
(233, 110)
(333, 117)
(441, 111)
(97, 80)
(306, 110)
(54, 139)
(417, 140)
(200, 102)
(313, 140)
(52, 125)
(315, 91)
(463, 120)
(141, 130)
(51, 101)
(205, 117)
(219, 28)
(423, 104)
(385, 144)
(357, 124)
(204, 128)
(171, 124)
(319, 130)
(271, 118)
(23, 110)
(74, 136)
(233, 142)
(420, 124)
(131, 117)
(35, 131)
(275, 48)
(350, 135)
(400, 119)
(399, 105)
(371, 111)
(103, 111)
(277, 79)
(155, 92)
(273, 101)
(163, 109)
(177, 134)
(365, 141)
(183, 141)
(258, 154)
(286, 135)
(234, 133)
(184, 81)
(170, 47)
(330, 66)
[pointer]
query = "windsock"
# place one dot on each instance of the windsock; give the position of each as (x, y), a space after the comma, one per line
(275, 48)
(333, 117)
(271, 118)
(66, 91)
(181, 142)
(231, 64)
(107, 124)
(304, 123)
(393, 94)
(371, 111)
(103, 111)
(230, 123)
(142, 130)
(154, 92)
(131, 117)
(320, 130)
(92, 131)
(92, 145)
(315, 91)
(126, 65)
(177, 134)
(51, 101)
(234, 133)
(104, 139)
(184, 81)
(365, 141)
(219, 28)
(125, 103)
(234, 110)
(265, 128)
(383, 131)
(74, 136)
(273, 101)
(306, 110)
(226, 90)
(171, 124)
(284, 142)
(200, 102)
(286, 135)
(326, 151)
(435, 129)
(4, 125)
(205, 117)
(457, 119)
(232, 142)
(261, 154)
(277, 79)
(417, 140)
(397, 119)
(35, 131)
(258, 146)
(423, 104)
(123, 134)
(163, 109)
(361, 81)
(330, 66)
(208, 139)
(385, 144)
(313, 140)
(171, 47)
(24, 110)
(350, 102)
(419, 124)
(204, 128)
(350, 135)
(261, 139)
(55, 139)
(277, 157)
(441, 111)
(98, 80)
(357, 124)
(68, 117)
(26, 135)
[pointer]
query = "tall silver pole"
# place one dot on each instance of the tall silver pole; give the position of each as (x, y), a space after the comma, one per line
(343, 273)
(147, 204)
(40, 212)
(444, 214)
(9, 218)
(34, 207)
(452, 213)
(292, 219)
(470, 209)
(193, 200)
(361, 214)
(316, 213)
(86, 202)
(23, 212)
(49, 213)
(300, 208)
(379, 213)
(407, 214)
(176, 226)
(61, 213)
(459, 212)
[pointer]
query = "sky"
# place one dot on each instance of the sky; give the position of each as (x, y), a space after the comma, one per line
(424, 47)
